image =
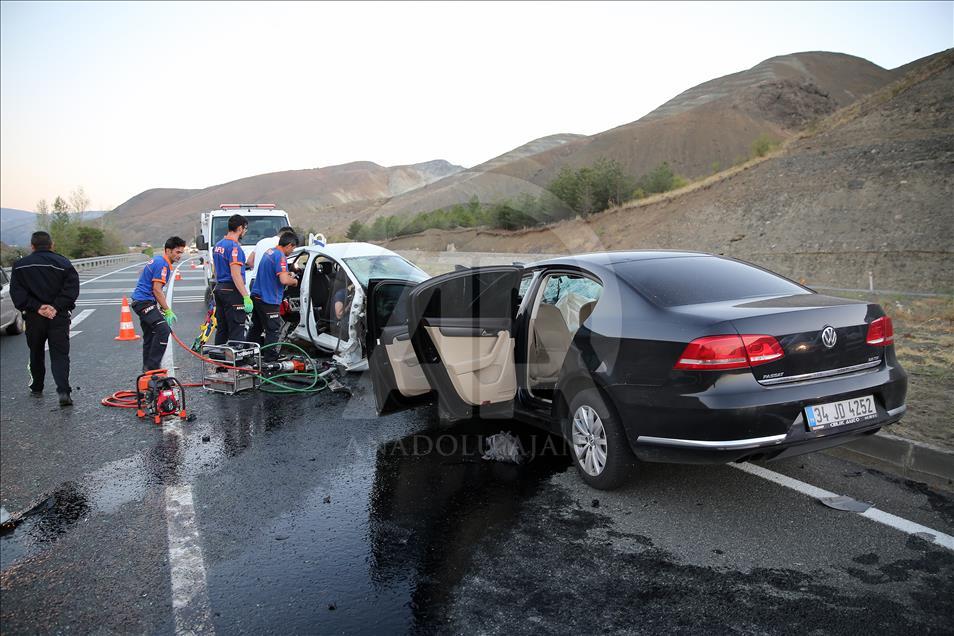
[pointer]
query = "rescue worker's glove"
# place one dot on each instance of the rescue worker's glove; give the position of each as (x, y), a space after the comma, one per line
(247, 300)
(169, 316)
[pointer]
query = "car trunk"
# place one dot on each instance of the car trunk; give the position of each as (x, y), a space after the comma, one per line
(798, 322)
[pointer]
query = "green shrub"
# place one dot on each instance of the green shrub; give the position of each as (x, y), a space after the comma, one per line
(763, 145)
(592, 189)
(354, 230)
(659, 179)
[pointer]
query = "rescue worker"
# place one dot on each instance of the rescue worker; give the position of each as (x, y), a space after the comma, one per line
(232, 300)
(149, 303)
(44, 285)
(267, 290)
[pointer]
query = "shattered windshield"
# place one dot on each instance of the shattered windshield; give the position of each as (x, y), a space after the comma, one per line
(384, 266)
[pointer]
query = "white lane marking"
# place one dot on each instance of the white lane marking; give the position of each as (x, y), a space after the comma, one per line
(115, 290)
(121, 269)
(77, 319)
(96, 302)
(191, 609)
(133, 279)
(886, 518)
(81, 316)
(168, 357)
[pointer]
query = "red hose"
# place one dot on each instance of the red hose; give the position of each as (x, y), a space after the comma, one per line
(121, 399)
(130, 399)
(210, 360)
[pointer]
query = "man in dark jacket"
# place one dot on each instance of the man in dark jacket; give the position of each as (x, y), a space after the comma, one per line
(44, 286)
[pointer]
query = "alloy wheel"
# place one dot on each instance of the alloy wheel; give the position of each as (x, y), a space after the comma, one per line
(589, 440)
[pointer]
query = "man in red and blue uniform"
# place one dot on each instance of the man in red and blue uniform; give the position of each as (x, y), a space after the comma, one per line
(232, 300)
(149, 303)
(267, 291)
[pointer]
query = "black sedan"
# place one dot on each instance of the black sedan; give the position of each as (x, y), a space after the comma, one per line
(640, 356)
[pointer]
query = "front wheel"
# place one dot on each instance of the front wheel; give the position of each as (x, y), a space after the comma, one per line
(601, 451)
(18, 325)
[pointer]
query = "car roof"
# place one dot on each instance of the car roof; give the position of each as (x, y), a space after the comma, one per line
(604, 259)
(349, 250)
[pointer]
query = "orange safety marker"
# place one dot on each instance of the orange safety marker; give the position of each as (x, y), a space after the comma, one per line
(178, 275)
(126, 330)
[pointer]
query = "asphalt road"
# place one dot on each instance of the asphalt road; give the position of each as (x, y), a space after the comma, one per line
(272, 514)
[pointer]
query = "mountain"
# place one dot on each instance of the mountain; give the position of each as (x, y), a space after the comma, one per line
(866, 189)
(482, 181)
(703, 129)
(310, 197)
(700, 131)
(16, 226)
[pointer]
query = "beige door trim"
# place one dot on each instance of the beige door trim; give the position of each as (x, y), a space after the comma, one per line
(408, 376)
(481, 368)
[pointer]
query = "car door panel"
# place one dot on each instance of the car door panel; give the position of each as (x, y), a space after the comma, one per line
(480, 368)
(408, 375)
(462, 331)
(396, 373)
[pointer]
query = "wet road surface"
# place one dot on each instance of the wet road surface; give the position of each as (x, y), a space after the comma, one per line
(312, 515)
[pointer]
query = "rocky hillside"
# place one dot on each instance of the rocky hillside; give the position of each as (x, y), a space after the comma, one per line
(310, 196)
(869, 188)
(16, 226)
(485, 181)
(706, 128)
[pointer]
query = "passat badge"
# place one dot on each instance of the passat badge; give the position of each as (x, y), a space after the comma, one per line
(829, 337)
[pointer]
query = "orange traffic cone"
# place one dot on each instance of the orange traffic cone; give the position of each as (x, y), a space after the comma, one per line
(194, 265)
(178, 275)
(126, 330)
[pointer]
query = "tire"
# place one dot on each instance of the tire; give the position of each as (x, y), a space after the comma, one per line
(18, 325)
(594, 426)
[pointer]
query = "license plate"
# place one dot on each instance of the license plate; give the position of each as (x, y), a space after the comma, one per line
(832, 414)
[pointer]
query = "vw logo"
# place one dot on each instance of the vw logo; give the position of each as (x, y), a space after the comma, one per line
(829, 337)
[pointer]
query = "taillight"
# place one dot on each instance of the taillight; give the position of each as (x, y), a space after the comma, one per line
(762, 349)
(729, 352)
(880, 332)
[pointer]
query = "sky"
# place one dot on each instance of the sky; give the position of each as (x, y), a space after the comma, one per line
(122, 97)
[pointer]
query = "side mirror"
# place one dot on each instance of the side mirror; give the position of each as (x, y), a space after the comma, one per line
(200, 242)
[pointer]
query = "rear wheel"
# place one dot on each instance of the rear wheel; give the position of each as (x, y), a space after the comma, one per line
(18, 325)
(601, 451)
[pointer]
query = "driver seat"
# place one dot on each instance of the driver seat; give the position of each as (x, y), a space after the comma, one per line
(320, 293)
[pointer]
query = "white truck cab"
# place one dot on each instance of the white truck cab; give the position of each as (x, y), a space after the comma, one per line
(264, 221)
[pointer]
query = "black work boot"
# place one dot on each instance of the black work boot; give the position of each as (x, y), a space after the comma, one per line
(65, 399)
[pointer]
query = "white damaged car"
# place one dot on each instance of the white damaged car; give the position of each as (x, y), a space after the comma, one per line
(327, 309)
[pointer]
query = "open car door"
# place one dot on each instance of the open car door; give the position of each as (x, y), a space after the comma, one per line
(396, 374)
(461, 328)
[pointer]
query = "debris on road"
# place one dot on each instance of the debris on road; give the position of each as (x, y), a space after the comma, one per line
(846, 504)
(504, 447)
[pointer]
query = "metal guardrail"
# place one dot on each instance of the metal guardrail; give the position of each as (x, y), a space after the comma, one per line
(99, 261)
(102, 261)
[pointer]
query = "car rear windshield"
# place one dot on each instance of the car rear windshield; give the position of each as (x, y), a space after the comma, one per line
(259, 227)
(670, 282)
